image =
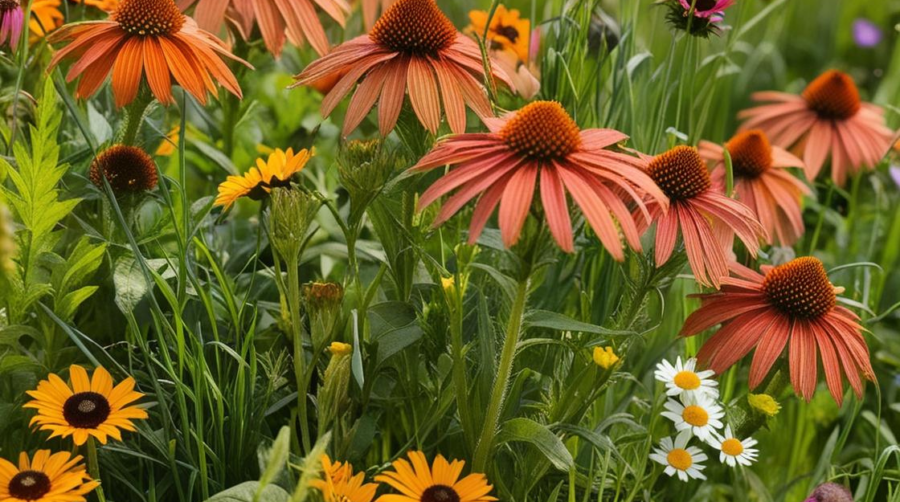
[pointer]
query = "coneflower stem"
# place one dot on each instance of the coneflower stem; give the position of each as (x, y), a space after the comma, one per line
(134, 117)
(94, 468)
(460, 382)
(501, 382)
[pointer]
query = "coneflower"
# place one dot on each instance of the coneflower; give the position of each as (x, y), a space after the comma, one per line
(128, 169)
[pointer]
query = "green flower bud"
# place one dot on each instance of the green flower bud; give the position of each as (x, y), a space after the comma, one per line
(364, 167)
(332, 396)
(323, 304)
(291, 215)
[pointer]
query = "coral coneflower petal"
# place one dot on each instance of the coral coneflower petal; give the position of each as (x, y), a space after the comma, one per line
(594, 211)
(803, 366)
(473, 188)
(392, 95)
(830, 365)
(486, 205)
(553, 198)
(464, 174)
(454, 104)
(423, 93)
(364, 99)
(158, 76)
(515, 203)
(666, 235)
(127, 72)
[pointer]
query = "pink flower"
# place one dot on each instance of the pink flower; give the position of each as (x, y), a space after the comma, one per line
(707, 8)
(11, 21)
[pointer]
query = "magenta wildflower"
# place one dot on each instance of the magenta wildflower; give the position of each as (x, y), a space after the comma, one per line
(11, 21)
(707, 8)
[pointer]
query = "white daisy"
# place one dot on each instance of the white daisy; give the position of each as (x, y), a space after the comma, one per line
(680, 458)
(732, 450)
(700, 414)
(684, 379)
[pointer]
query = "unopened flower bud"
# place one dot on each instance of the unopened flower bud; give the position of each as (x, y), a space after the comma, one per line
(830, 492)
(364, 167)
(336, 384)
(291, 215)
(764, 403)
(605, 357)
(323, 303)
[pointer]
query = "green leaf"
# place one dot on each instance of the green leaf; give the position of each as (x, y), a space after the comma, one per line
(394, 327)
(559, 322)
(65, 308)
(129, 283)
(526, 430)
(276, 459)
(245, 492)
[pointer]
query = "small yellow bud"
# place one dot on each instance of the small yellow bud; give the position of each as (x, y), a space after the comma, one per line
(764, 403)
(340, 349)
(448, 283)
(605, 357)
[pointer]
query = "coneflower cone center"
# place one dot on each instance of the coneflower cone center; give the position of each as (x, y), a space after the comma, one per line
(800, 289)
(680, 173)
(833, 95)
(751, 153)
(126, 168)
(680, 459)
(440, 493)
(415, 27)
(8, 5)
(149, 17)
(29, 485)
(542, 130)
(86, 410)
(704, 5)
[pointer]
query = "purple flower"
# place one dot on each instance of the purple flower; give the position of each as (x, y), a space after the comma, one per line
(866, 33)
(11, 21)
(830, 492)
(706, 8)
(895, 175)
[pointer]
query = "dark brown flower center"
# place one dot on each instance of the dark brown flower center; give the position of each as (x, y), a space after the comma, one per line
(149, 17)
(8, 5)
(86, 410)
(415, 27)
(800, 288)
(509, 32)
(542, 130)
(439, 493)
(128, 169)
(751, 153)
(833, 95)
(704, 5)
(29, 485)
(680, 173)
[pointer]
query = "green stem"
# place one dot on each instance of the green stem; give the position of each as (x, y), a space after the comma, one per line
(94, 468)
(815, 238)
(459, 361)
(501, 382)
(134, 117)
(299, 357)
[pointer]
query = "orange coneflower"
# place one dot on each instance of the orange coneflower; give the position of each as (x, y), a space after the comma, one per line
(411, 44)
(259, 181)
(509, 42)
(542, 140)
(762, 182)
(418, 482)
(89, 407)
(827, 120)
(278, 20)
(145, 36)
(127, 169)
(45, 17)
(704, 217)
(793, 302)
(46, 477)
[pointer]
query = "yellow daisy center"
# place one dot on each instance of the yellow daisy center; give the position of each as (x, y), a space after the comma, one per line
(680, 173)
(833, 95)
(149, 17)
(542, 130)
(695, 415)
(416, 27)
(751, 153)
(680, 459)
(732, 447)
(86, 410)
(687, 380)
(439, 493)
(29, 485)
(800, 288)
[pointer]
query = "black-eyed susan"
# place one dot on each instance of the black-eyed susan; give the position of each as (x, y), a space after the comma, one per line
(57, 477)
(417, 482)
(87, 407)
(260, 180)
(339, 484)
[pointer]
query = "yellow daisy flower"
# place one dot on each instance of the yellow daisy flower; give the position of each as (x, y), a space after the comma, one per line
(59, 477)
(338, 484)
(259, 181)
(89, 407)
(507, 30)
(105, 5)
(440, 482)
(45, 17)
